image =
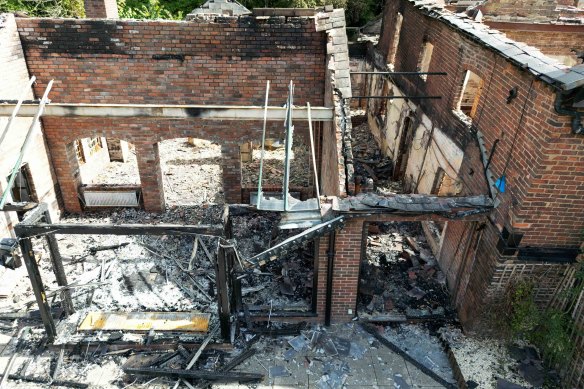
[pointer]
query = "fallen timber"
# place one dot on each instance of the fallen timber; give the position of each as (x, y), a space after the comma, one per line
(194, 374)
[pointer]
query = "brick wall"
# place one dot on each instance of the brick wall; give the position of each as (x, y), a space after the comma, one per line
(555, 41)
(347, 260)
(224, 61)
(544, 197)
(98, 9)
(531, 9)
(542, 159)
(14, 80)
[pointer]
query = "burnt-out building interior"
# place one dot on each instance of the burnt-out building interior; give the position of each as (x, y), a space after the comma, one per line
(179, 195)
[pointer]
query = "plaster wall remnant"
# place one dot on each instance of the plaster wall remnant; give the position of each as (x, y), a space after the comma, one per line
(41, 180)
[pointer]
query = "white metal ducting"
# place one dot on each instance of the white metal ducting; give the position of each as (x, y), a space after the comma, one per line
(111, 199)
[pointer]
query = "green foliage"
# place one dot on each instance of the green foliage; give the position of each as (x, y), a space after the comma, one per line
(45, 8)
(151, 9)
(524, 313)
(358, 12)
(550, 330)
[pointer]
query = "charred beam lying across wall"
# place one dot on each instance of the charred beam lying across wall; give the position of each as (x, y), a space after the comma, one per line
(206, 112)
(405, 205)
(547, 254)
(24, 230)
(195, 374)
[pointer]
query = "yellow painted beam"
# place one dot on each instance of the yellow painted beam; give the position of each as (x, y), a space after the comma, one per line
(146, 321)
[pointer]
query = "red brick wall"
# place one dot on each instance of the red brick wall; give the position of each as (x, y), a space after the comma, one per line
(162, 62)
(347, 260)
(544, 197)
(226, 62)
(557, 44)
(101, 9)
(533, 9)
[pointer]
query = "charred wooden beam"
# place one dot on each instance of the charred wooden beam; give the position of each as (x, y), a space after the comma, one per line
(223, 306)
(373, 331)
(194, 374)
(38, 288)
(128, 346)
(43, 381)
(232, 364)
(24, 230)
(19, 207)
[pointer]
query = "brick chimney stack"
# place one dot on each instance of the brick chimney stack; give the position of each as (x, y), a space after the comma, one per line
(101, 9)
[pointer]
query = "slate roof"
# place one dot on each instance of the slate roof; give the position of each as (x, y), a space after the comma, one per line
(527, 57)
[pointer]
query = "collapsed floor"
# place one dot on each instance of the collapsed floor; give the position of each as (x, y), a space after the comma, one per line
(145, 275)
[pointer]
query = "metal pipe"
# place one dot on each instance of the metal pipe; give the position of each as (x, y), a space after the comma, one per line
(404, 73)
(329, 278)
(577, 127)
(313, 155)
(26, 143)
(397, 97)
(263, 146)
(17, 108)
(495, 143)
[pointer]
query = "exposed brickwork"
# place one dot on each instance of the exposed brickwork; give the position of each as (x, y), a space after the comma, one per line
(196, 62)
(541, 158)
(347, 259)
(101, 9)
(544, 158)
(226, 61)
(556, 44)
(14, 79)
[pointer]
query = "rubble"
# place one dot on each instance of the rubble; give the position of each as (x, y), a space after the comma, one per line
(400, 278)
(370, 162)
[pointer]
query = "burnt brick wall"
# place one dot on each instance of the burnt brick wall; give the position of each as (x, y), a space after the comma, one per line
(537, 151)
(167, 62)
(347, 252)
(226, 61)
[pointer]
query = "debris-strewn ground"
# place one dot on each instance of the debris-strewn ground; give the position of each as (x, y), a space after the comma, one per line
(273, 169)
(286, 283)
(191, 172)
(369, 161)
(400, 276)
